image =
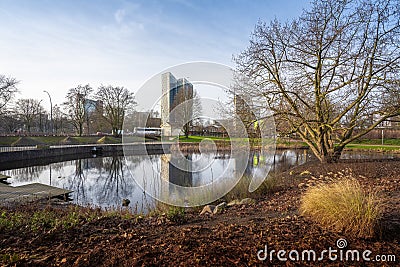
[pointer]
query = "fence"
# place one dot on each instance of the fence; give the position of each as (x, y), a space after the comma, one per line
(16, 148)
(387, 133)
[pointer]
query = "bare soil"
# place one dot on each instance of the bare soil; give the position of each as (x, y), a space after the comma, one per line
(231, 238)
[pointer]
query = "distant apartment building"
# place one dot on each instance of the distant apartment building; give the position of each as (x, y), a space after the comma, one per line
(145, 119)
(390, 123)
(389, 128)
(91, 105)
(172, 90)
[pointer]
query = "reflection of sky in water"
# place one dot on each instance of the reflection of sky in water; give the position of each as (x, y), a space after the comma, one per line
(106, 181)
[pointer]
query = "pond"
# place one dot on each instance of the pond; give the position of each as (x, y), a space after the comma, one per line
(106, 181)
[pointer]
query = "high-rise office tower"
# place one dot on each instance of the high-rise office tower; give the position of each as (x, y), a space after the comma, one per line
(174, 92)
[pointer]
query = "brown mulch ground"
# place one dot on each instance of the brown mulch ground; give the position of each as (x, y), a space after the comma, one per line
(231, 238)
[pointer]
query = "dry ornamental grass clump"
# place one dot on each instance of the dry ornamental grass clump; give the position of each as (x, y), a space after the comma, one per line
(343, 205)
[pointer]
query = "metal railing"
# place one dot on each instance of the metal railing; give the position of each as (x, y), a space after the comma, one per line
(16, 148)
(24, 148)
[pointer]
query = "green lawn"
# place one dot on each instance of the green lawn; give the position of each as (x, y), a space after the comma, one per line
(374, 147)
(197, 139)
(7, 140)
(393, 142)
(86, 139)
(367, 144)
(375, 144)
(49, 140)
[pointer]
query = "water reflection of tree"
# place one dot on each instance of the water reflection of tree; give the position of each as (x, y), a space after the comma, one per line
(289, 158)
(32, 173)
(27, 174)
(58, 166)
(77, 184)
(114, 180)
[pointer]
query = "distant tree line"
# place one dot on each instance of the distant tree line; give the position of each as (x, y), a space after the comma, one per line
(84, 111)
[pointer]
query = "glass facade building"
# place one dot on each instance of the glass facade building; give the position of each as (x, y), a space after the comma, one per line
(171, 88)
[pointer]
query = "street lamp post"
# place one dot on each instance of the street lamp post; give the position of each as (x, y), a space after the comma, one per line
(40, 116)
(51, 111)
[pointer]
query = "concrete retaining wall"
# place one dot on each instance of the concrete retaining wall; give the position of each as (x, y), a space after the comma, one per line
(82, 151)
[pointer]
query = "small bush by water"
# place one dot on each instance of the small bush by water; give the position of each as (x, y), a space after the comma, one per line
(41, 220)
(241, 189)
(343, 205)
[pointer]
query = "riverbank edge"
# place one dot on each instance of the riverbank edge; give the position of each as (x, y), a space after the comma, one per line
(120, 238)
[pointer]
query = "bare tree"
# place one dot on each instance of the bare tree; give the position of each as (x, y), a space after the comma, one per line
(9, 122)
(327, 72)
(28, 111)
(76, 106)
(60, 121)
(197, 107)
(116, 102)
(7, 90)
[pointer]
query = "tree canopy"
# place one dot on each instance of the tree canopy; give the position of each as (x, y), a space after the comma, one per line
(331, 75)
(76, 105)
(7, 90)
(116, 102)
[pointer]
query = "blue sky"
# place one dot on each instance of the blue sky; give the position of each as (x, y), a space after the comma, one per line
(55, 45)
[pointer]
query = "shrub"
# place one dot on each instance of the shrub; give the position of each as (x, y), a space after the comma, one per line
(176, 214)
(241, 189)
(343, 205)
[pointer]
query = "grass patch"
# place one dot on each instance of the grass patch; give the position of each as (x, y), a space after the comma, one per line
(373, 147)
(7, 140)
(26, 141)
(9, 258)
(241, 189)
(69, 141)
(343, 205)
(109, 140)
(42, 220)
(176, 214)
(389, 141)
(198, 139)
(172, 213)
(48, 140)
(86, 139)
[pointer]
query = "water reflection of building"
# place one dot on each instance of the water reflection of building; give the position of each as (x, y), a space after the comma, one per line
(281, 161)
(177, 170)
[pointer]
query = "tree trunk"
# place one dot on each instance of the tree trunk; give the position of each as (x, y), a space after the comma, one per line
(337, 152)
(80, 129)
(186, 130)
(116, 132)
(332, 156)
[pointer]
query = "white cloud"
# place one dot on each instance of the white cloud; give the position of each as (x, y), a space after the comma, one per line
(119, 15)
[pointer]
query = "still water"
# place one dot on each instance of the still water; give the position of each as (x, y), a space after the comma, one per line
(105, 181)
